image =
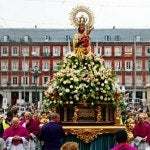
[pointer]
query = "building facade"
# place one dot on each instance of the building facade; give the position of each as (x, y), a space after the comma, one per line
(125, 51)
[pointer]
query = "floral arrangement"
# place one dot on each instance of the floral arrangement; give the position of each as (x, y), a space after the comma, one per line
(81, 80)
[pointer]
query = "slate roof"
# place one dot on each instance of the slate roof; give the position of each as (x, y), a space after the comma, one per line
(59, 35)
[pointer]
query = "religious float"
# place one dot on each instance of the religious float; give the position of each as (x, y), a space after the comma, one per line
(84, 92)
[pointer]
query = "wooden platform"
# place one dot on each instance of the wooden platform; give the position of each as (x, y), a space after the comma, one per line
(88, 133)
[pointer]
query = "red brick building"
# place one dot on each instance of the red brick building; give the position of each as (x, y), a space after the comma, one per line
(126, 51)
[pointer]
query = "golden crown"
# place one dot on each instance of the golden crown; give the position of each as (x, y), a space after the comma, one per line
(82, 20)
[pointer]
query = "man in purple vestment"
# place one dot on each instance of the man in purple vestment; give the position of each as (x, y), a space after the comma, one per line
(140, 132)
(33, 128)
(16, 136)
(121, 139)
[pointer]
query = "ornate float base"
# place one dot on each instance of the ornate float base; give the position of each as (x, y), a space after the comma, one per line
(89, 133)
(81, 114)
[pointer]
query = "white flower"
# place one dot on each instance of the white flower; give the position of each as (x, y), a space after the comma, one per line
(76, 79)
(106, 82)
(92, 103)
(71, 86)
(67, 90)
(71, 79)
(60, 94)
(60, 102)
(64, 82)
(74, 66)
(102, 84)
(101, 97)
(71, 102)
(105, 99)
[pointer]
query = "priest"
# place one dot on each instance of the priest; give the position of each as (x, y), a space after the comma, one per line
(16, 136)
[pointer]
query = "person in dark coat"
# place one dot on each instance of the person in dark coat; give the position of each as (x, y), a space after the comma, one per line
(52, 133)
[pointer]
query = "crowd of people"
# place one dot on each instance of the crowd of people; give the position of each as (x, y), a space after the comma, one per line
(28, 131)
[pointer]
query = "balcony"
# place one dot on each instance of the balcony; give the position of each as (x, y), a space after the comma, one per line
(46, 54)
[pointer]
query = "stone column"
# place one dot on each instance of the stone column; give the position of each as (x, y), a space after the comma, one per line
(148, 96)
(30, 97)
(9, 97)
(20, 95)
(41, 96)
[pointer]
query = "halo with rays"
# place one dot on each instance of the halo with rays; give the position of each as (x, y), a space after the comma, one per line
(81, 11)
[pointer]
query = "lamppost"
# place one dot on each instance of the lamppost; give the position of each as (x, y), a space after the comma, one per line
(36, 72)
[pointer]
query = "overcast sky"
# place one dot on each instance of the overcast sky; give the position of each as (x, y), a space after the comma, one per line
(55, 13)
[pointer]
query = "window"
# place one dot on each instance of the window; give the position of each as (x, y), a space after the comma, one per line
(137, 38)
(67, 37)
(14, 81)
(35, 50)
(35, 63)
(4, 51)
(56, 51)
(26, 38)
(46, 51)
(107, 38)
(147, 50)
(147, 65)
(55, 65)
(34, 81)
(118, 50)
(147, 79)
(4, 80)
(4, 65)
(139, 65)
(15, 51)
(117, 37)
(25, 65)
(138, 50)
(65, 50)
(25, 80)
(118, 65)
(128, 80)
(108, 64)
(14, 66)
(107, 51)
(45, 79)
(47, 38)
(98, 50)
(128, 65)
(46, 66)
(25, 51)
(128, 50)
(119, 80)
(138, 80)
(6, 38)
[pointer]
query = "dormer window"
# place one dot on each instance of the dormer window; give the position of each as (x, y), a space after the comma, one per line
(47, 38)
(107, 38)
(117, 38)
(26, 38)
(137, 38)
(6, 38)
(67, 37)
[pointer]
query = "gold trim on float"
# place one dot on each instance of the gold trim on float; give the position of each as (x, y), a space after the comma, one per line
(89, 133)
